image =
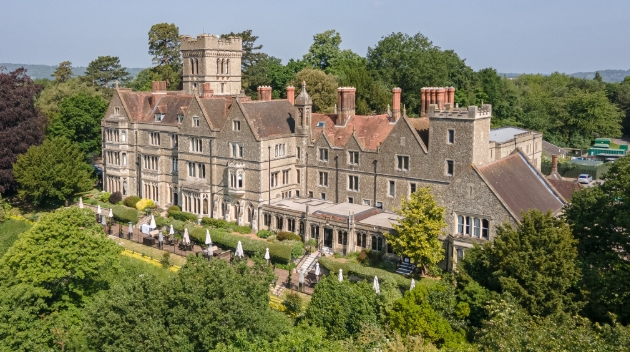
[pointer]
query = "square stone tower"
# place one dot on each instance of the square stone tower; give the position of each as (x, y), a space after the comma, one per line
(210, 59)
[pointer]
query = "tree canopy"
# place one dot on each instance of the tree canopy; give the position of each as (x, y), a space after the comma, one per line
(164, 44)
(21, 123)
(52, 172)
(417, 232)
(105, 70)
(321, 87)
(63, 71)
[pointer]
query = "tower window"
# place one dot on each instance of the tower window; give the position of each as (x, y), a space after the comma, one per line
(449, 167)
(451, 136)
(392, 188)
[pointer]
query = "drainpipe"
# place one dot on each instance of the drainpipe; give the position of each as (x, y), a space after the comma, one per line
(336, 178)
(211, 200)
(269, 174)
(306, 175)
(374, 203)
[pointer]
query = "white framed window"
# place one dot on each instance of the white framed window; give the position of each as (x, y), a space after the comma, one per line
(450, 136)
(472, 226)
(285, 177)
(353, 158)
(117, 110)
(159, 117)
(236, 150)
(280, 150)
(197, 170)
(323, 179)
(124, 158)
(391, 189)
(155, 138)
(123, 136)
(150, 162)
(274, 179)
(196, 145)
(353, 183)
(402, 163)
(323, 154)
(180, 118)
(195, 122)
(236, 125)
(174, 165)
(450, 166)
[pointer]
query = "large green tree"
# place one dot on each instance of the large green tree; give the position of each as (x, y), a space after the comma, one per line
(325, 51)
(21, 123)
(535, 262)
(79, 120)
(48, 275)
(321, 87)
(340, 308)
(63, 72)
(418, 230)
(52, 172)
(164, 44)
(600, 218)
(105, 70)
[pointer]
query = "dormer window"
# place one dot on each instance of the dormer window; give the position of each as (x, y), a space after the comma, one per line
(159, 117)
(180, 118)
(321, 124)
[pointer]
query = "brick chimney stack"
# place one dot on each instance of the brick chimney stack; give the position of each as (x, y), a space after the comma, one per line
(291, 94)
(207, 92)
(396, 104)
(451, 95)
(264, 93)
(345, 104)
(158, 87)
(554, 164)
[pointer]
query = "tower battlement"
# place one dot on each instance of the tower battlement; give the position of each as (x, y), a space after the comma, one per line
(472, 112)
(210, 42)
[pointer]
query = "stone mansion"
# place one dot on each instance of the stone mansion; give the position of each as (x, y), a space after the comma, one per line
(276, 164)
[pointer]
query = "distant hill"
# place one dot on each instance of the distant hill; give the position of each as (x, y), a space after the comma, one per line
(46, 71)
(610, 76)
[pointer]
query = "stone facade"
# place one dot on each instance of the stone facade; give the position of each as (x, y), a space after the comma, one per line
(274, 164)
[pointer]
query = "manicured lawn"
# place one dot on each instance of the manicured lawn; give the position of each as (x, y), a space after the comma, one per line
(150, 251)
(9, 232)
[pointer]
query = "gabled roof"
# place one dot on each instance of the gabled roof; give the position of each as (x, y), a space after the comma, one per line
(519, 186)
(370, 131)
(142, 106)
(553, 149)
(565, 187)
(270, 118)
(215, 110)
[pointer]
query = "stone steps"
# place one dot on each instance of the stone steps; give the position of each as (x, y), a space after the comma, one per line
(309, 263)
(326, 251)
(405, 269)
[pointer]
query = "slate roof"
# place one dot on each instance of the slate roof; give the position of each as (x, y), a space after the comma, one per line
(553, 149)
(565, 187)
(215, 109)
(271, 118)
(370, 131)
(520, 186)
(142, 106)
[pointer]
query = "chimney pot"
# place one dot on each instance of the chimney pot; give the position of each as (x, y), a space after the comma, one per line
(554, 164)
(345, 104)
(396, 103)
(291, 94)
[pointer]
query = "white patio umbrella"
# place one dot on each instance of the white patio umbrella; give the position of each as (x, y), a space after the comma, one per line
(171, 232)
(317, 269)
(81, 202)
(301, 277)
(208, 239)
(239, 250)
(186, 238)
(152, 225)
(413, 284)
(340, 275)
(267, 256)
(376, 286)
(98, 210)
(160, 237)
(111, 213)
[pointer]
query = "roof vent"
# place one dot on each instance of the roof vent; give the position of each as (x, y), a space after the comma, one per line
(321, 124)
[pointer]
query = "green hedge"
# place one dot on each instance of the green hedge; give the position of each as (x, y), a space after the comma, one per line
(284, 235)
(131, 201)
(222, 224)
(264, 233)
(364, 272)
(280, 253)
(124, 214)
(182, 216)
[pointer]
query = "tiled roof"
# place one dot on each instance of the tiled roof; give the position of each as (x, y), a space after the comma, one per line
(142, 106)
(271, 118)
(520, 187)
(216, 109)
(371, 131)
(565, 187)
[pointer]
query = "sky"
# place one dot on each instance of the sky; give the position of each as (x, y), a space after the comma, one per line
(512, 36)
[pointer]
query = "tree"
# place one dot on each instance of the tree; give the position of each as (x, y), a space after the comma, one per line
(105, 70)
(321, 87)
(413, 315)
(535, 263)
(341, 307)
(79, 121)
(601, 224)
(590, 115)
(417, 233)
(250, 55)
(164, 44)
(52, 172)
(325, 51)
(48, 275)
(63, 72)
(21, 123)
(53, 94)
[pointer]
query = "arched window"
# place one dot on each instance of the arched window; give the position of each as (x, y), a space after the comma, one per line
(205, 206)
(240, 181)
(218, 66)
(222, 67)
(192, 66)
(227, 66)
(197, 66)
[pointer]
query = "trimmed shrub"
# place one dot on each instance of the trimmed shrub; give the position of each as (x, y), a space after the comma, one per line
(144, 203)
(177, 225)
(290, 236)
(90, 201)
(183, 216)
(115, 198)
(217, 223)
(293, 304)
(243, 229)
(279, 252)
(160, 221)
(174, 208)
(363, 272)
(104, 197)
(131, 201)
(124, 214)
(264, 233)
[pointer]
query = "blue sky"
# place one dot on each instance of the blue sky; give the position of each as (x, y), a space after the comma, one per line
(509, 35)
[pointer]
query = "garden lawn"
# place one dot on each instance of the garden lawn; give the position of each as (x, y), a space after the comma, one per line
(155, 253)
(9, 232)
